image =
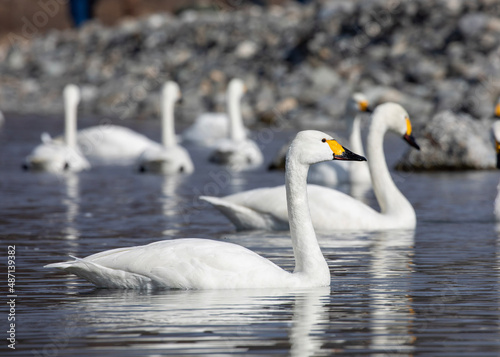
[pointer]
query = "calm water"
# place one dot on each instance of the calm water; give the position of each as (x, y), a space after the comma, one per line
(431, 292)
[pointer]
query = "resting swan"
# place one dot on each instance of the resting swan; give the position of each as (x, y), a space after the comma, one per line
(59, 155)
(266, 208)
(209, 128)
(337, 173)
(496, 138)
(168, 158)
(237, 151)
(193, 263)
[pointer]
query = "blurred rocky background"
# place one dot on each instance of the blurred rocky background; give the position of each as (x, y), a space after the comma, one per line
(300, 61)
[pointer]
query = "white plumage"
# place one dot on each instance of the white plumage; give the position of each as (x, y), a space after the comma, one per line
(62, 154)
(330, 209)
(193, 263)
(495, 129)
(168, 158)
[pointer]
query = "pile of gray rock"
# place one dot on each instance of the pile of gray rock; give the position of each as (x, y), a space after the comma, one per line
(299, 62)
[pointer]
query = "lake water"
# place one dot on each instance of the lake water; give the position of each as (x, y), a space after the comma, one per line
(429, 292)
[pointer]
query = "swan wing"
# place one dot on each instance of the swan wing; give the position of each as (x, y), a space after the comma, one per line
(188, 263)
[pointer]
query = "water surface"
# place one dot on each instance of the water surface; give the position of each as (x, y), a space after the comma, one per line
(433, 291)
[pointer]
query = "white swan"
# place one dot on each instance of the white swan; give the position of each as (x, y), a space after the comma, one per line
(193, 263)
(61, 154)
(266, 208)
(337, 173)
(342, 172)
(495, 129)
(168, 158)
(210, 128)
(237, 151)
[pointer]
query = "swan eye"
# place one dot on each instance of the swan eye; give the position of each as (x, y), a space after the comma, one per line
(66, 166)
(323, 140)
(181, 169)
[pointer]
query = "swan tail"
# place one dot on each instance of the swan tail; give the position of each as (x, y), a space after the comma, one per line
(245, 218)
(102, 276)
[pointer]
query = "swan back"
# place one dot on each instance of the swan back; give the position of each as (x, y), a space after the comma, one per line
(71, 96)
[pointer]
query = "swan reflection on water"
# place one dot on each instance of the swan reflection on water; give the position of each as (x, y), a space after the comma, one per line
(209, 321)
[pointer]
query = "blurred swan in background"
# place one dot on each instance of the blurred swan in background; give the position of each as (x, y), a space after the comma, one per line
(338, 172)
(193, 263)
(495, 129)
(60, 154)
(266, 208)
(209, 128)
(236, 151)
(2, 118)
(168, 158)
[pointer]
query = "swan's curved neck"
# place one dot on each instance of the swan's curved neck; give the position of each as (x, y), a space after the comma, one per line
(236, 129)
(167, 121)
(390, 199)
(354, 132)
(70, 110)
(308, 257)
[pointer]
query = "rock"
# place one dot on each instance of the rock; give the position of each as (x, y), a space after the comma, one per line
(451, 142)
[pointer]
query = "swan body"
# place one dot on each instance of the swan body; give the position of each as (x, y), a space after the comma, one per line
(63, 154)
(210, 128)
(168, 158)
(236, 151)
(341, 172)
(495, 129)
(194, 263)
(266, 208)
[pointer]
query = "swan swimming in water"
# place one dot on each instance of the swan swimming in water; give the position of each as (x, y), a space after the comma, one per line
(210, 128)
(236, 151)
(338, 172)
(193, 263)
(266, 208)
(495, 129)
(62, 154)
(168, 158)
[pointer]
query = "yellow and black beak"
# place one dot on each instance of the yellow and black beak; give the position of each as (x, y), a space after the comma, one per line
(408, 137)
(364, 106)
(341, 153)
(497, 110)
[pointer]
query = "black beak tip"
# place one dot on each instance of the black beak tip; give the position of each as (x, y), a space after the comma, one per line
(369, 110)
(411, 140)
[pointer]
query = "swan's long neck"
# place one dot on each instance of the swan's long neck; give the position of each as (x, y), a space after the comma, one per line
(308, 256)
(167, 121)
(70, 123)
(390, 199)
(359, 171)
(236, 129)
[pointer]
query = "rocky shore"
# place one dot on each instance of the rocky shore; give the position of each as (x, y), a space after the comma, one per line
(299, 62)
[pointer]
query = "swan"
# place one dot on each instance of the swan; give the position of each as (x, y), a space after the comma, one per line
(168, 158)
(60, 154)
(209, 128)
(341, 172)
(194, 263)
(236, 151)
(265, 208)
(497, 108)
(495, 129)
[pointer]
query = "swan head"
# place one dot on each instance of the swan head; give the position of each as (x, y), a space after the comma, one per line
(71, 95)
(236, 87)
(312, 146)
(171, 90)
(495, 130)
(357, 103)
(397, 119)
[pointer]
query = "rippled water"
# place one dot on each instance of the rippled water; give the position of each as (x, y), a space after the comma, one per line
(431, 292)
